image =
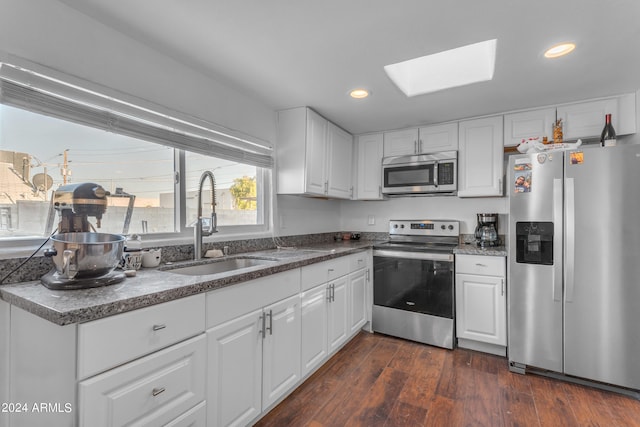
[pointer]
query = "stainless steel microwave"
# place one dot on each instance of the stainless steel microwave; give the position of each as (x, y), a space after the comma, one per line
(420, 174)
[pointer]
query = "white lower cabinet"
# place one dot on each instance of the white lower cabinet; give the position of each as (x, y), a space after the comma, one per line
(314, 328)
(153, 390)
(234, 374)
(324, 322)
(281, 349)
(254, 358)
(151, 374)
(358, 298)
(481, 308)
(253, 361)
(338, 307)
(218, 359)
(333, 312)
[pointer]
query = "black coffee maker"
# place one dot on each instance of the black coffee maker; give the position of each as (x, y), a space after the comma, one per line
(486, 233)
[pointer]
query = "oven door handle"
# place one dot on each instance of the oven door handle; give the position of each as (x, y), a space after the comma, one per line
(413, 255)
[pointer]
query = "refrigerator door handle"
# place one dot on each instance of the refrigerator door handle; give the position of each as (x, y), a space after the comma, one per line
(557, 250)
(570, 239)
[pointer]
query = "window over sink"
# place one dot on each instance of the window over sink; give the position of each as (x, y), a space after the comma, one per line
(54, 133)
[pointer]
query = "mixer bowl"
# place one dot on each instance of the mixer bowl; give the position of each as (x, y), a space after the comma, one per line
(85, 255)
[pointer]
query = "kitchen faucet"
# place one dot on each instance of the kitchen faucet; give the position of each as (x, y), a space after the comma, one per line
(204, 226)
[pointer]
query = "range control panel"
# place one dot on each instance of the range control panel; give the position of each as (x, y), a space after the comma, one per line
(424, 227)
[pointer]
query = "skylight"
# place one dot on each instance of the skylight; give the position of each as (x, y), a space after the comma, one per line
(443, 70)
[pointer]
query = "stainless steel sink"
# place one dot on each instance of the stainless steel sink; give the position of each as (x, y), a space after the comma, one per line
(222, 266)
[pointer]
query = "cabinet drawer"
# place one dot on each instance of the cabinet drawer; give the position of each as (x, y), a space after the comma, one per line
(149, 391)
(322, 272)
(112, 341)
(358, 261)
(481, 265)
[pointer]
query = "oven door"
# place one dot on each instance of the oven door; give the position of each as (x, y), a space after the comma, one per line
(413, 296)
(413, 281)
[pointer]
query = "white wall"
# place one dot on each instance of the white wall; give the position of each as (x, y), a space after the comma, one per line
(303, 215)
(54, 35)
(355, 214)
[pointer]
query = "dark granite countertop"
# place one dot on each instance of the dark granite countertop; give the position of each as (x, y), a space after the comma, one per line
(158, 285)
(473, 249)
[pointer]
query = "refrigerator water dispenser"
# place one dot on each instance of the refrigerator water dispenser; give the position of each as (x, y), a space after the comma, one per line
(534, 243)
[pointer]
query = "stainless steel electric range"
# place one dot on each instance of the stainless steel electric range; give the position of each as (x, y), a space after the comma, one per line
(414, 278)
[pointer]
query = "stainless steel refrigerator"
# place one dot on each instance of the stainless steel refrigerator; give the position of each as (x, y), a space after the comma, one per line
(574, 263)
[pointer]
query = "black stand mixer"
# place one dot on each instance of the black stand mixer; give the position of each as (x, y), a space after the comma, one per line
(83, 258)
(486, 233)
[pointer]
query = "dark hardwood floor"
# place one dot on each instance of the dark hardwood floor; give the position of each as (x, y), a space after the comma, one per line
(377, 380)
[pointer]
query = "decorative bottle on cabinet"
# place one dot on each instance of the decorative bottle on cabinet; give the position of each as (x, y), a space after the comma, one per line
(608, 136)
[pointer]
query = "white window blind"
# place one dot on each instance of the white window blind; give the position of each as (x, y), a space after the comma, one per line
(35, 91)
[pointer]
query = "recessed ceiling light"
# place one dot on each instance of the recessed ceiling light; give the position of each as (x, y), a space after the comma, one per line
(559, 50)
(443, 70)
(359, 93)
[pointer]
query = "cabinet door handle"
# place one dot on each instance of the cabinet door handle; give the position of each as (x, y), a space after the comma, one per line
(419, 146)
(156, 391)
(502, 287)
(415, 147)
(159, 327)
(270, 328)
(333, 292)
(368, 275)
(326, 187)
(329, 293)
(481, 265)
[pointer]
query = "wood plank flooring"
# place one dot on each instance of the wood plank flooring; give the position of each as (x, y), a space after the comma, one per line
(377, 380)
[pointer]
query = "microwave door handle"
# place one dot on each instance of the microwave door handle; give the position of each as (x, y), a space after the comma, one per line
(435, 174)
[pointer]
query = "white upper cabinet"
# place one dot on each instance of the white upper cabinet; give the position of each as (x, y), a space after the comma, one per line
(579, 120)
(316, 153)
(438, 138)
(339, 164)
(586, 119)
(528, 124)
(428, 139)
(401, 142)
(480, 158)
(313, 156)
(369, 155)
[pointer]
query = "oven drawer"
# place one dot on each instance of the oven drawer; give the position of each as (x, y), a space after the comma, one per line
(481, 265)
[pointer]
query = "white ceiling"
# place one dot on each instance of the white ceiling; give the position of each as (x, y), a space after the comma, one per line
(289, 53)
